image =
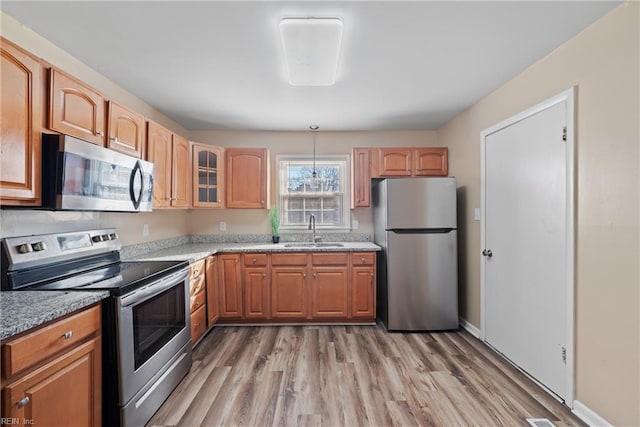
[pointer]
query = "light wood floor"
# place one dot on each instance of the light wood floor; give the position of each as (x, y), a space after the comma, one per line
(352, 376)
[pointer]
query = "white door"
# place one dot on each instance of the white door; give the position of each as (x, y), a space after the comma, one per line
(526, 213)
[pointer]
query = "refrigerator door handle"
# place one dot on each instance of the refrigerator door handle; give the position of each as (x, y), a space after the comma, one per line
(421, 230)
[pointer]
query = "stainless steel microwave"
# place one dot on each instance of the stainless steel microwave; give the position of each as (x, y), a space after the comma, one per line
(78, 175)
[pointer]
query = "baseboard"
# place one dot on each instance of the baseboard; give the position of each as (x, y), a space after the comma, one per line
(469, 328)
(588, 416)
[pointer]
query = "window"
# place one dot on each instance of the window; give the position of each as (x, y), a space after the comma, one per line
(326, 198)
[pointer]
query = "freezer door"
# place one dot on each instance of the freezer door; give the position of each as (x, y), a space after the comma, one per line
(422, 281)
(421, 203)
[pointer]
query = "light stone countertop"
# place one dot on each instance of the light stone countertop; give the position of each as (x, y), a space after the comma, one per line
(23, 310)
(195, 251)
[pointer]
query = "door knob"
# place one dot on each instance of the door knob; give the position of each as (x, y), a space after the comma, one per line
(487, 253)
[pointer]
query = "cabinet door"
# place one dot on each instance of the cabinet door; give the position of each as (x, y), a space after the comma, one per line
(289, 292)
(66, 391)
(360, 178)
(256, 293)
(431, 161)
(213, 309)
(75, 109)
(247, 178)
(394, 161)
(21, 121)
(363, 300)
(125, 130)
(159, 153)
(208, 176)
(180, 167)
(230, 286)
(329, 292)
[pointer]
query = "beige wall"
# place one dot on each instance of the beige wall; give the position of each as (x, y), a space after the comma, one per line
(256, 221)
(21, 222)
(603, 62)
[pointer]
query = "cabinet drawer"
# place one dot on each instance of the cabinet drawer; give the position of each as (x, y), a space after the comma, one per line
(198, 324)
(197, 284)
(30, 349)
(332, 258)
(363, 258)
(196, 269)
(289, 259)
(197, 300)
(255, 260)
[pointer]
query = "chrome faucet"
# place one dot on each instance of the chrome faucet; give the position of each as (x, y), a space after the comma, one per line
(312, 226)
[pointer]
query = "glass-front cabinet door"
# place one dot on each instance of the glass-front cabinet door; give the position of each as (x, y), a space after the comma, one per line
(208, 176)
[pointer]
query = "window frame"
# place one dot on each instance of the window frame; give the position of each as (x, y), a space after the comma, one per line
(345, 177)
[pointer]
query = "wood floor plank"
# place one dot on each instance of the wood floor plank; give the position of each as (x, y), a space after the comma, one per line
(332, 376)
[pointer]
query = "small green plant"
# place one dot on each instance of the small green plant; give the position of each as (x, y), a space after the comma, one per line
(274, 217)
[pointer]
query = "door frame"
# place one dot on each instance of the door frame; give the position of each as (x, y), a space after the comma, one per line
(567, 96)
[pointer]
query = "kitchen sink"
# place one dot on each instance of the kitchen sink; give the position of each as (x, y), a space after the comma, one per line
(313, 245)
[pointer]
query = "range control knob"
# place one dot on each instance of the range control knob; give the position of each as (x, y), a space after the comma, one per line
(25, 248)
(105, 237)
(39, 246)
(113, 236)
(97, 238)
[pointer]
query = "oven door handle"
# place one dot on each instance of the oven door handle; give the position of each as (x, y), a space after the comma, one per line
(154, 288)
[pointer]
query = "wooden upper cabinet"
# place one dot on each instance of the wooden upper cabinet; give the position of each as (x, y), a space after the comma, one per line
(20, 126)
(159, 153)
(181, 178)
(431, 161)
(75, 109)
(169, 154)
(247, 178)
(126, 132)
(360, 178)
(395, 161)
(207, 176)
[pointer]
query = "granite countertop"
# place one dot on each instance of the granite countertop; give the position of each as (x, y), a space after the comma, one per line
(195, 251)
(23, 310)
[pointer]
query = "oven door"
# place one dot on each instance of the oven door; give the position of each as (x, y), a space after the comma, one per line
(153, 326)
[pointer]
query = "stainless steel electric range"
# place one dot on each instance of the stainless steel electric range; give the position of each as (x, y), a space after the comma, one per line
(145, 321)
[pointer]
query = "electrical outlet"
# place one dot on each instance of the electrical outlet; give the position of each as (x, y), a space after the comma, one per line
(354, 224)
(145, 230)
(223, 226)
(476, 214)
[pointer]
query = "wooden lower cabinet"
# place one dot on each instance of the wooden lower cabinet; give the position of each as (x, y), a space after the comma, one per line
(363, 292)
(289, 292)
(297, 287)
(198, 323)
(230, 286)
(329, 292)
(213, 308)
(64, 387)
(256, 293)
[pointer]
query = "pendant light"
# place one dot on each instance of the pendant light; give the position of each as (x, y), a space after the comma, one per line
(314, 174)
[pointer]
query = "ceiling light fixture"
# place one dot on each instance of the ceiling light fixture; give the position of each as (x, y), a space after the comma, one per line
(311, 49)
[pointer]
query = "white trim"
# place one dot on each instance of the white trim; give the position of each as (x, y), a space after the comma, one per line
(568, 97)
(469, 327)
(587, 415)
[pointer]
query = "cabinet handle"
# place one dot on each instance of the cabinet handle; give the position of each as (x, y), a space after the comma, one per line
(67, 335)
(197, 325)
(219, 201)
(23, 402)
(254, 260)
(362, 259)
(304, 274)
(99, 133)
(371, 274)
(264, 274)
(114, 139)
(314, 275)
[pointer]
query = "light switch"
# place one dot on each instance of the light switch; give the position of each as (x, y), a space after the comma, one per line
(354, 224)
(223, 226)
(476, 214)
(145, 230)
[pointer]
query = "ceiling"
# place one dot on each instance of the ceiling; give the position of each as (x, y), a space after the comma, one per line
(218, 65)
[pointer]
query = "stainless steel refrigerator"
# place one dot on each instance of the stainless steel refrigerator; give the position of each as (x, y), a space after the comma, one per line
(415, 224)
